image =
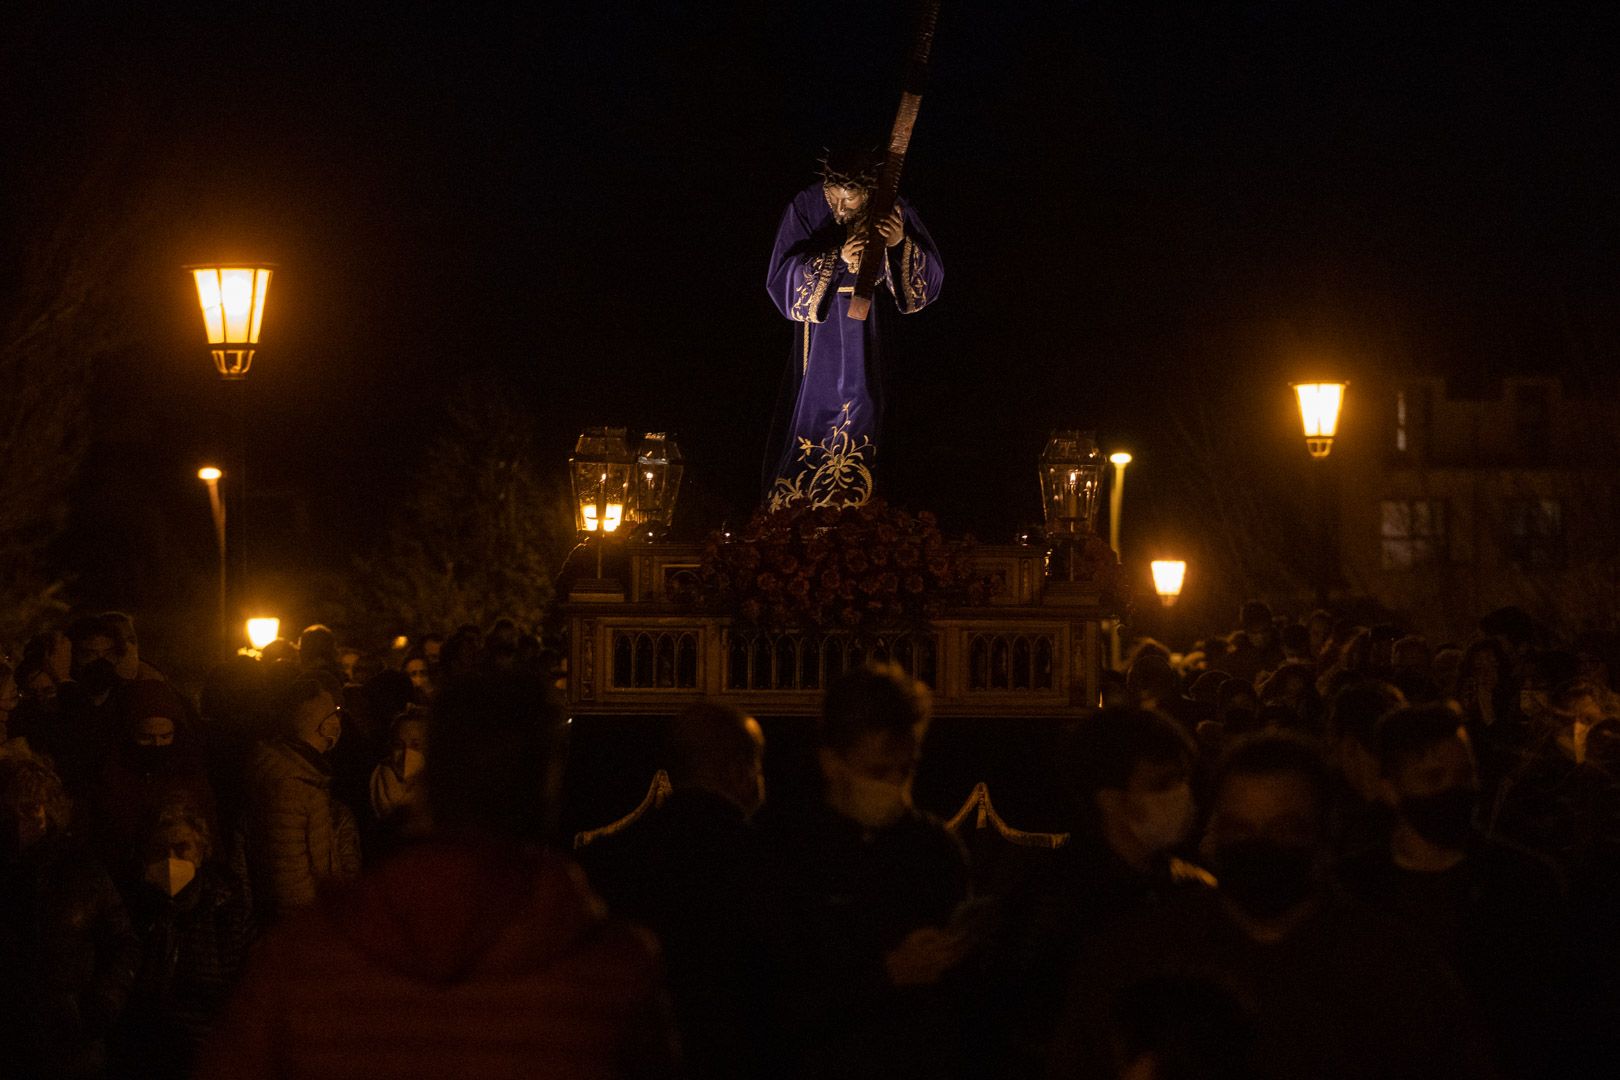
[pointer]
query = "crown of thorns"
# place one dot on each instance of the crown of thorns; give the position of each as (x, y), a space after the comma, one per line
(849, 168)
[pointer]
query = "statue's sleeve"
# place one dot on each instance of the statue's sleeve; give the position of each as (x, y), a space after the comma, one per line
(916, 273)
(800, 274)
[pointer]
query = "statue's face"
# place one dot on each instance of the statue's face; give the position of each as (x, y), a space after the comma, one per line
(846, 202)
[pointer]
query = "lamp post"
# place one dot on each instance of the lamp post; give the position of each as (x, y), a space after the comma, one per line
(1116, 498)
(1319, 406)
(231, 297)
(1116, 507)
(1071, 479)
(600, 472)
(210, 475)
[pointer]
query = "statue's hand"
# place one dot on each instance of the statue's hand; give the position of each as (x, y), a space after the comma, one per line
(893, 228)
(851, 252)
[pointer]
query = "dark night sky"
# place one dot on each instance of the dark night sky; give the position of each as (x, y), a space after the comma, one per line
(1131, 199)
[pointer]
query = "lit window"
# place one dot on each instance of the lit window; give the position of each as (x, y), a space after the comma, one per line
(1535, 533)
(1413, 533)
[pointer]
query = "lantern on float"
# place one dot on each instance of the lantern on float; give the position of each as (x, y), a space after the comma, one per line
(1319, 405)
(1071, 478)
(656, 483)
(232, 301)
(599, 473)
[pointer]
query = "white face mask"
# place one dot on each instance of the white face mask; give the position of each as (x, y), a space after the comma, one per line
(414, 763)
(171, 874)
(873, 804)
(1167, 818)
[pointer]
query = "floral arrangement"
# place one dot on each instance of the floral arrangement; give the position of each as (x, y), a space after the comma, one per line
(837, 567)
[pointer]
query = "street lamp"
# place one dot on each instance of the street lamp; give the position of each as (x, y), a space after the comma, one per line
(1319, 405)
(1116, 508)
(1168, 575)
(211, 475)
(232, 301)
(262, 631)
(1116, 498)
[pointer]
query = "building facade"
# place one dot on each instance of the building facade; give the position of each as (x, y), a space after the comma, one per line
(1451, 506)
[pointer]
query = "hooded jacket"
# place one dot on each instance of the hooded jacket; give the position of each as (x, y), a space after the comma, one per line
(458, 957)
(298, 834)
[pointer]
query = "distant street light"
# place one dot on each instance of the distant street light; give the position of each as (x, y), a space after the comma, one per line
(1116, 499)
(1168, 576)
(210, 475)
(1319, 405)
(232, 301)
(262, 631)
(1116, 510)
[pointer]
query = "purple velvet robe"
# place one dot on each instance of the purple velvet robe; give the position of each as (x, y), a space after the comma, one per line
(824, 447)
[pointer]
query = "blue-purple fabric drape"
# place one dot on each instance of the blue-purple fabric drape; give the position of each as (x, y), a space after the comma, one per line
(824, 440)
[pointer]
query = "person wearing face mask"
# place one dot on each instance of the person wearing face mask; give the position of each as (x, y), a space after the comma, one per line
(1338, 990)
(1129, 776)
(192, 916)
(299, 835)
(67, 953)
(684, 871)
(479, 951)
(1496, 912)
(861, 888)
(157, 761)
(394, 782)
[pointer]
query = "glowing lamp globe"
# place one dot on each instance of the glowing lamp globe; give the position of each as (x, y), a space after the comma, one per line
(232, 301)
(600, 474)
(262, 631)
(1071, 478)
(209, 475)
(1168, 575)
(1319, 405)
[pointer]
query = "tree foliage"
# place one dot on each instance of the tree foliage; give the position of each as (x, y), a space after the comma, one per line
(59, 316)
(482, 534)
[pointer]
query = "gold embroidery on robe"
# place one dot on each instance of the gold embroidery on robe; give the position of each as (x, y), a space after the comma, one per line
(831, 473)
(818, 274)
(912, 261)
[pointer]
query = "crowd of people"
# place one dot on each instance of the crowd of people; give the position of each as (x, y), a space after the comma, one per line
(1302, 849)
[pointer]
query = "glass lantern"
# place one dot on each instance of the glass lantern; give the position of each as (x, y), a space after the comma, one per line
(657, 482)
(1071, 479)
(599, 472)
